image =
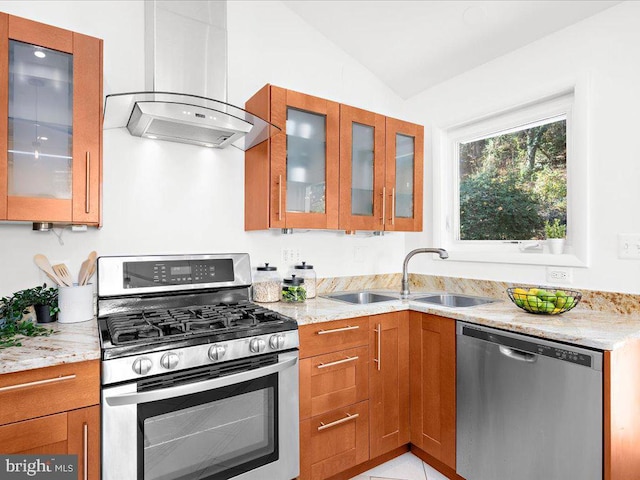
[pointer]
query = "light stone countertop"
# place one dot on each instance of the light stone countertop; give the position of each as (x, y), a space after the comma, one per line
(77, 342)
(579, 326)
(72, 342)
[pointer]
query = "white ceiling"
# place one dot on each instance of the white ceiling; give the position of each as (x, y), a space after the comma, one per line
(413, 45)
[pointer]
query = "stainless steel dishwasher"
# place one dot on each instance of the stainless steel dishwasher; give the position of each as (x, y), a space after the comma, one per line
(526, 408)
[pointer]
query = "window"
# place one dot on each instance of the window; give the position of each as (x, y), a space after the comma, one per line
(506, 174)
(511, 183)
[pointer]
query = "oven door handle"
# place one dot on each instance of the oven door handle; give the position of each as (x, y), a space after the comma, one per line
(171, 392)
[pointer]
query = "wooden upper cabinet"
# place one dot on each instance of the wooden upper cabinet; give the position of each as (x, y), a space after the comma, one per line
(404, 175)
(50, 123)
(332, 166)
(362, 169)
(292, 182)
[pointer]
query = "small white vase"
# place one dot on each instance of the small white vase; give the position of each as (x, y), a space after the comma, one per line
(556, 245)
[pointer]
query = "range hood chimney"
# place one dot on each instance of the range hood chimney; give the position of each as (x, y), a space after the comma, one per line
(186, 82)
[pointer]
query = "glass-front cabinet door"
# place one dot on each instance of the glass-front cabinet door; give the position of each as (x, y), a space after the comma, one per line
(362, 169)
(404, 175)
(51, 95)
(304, 161)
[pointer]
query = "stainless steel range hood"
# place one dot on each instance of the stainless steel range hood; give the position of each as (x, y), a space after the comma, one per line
(186, 76)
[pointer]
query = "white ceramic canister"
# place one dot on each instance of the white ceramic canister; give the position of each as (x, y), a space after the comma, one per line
(75, 303)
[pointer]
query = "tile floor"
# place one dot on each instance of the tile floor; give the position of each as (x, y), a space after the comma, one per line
(404, 467)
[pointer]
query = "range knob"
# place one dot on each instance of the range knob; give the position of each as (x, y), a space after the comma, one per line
(257, 345)
(276, 342)
(216, 352)
(142, 365)
(169, 360)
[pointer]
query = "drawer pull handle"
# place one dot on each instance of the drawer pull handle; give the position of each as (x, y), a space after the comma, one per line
(335, 330)
(338, 362)
(377, 360)
(36, 383)
(348, 418)
(85, 441)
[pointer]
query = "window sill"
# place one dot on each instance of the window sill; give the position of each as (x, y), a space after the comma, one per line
(518, 258)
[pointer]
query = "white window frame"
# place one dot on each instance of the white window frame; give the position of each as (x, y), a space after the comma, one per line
(569, 102)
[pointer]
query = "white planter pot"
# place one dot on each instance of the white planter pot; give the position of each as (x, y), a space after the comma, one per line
(556, 245)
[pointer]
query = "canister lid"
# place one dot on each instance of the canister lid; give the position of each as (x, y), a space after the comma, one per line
(267, 268)
(303, 266)
(293, 280)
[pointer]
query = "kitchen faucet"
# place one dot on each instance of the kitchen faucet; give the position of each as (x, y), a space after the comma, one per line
(404, 292)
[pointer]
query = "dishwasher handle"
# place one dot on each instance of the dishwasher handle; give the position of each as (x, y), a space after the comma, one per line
(518, 354)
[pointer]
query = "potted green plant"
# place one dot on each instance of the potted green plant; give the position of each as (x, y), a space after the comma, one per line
(13, 309)
(556, 233)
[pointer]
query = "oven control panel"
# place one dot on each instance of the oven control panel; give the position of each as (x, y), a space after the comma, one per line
(162, 362)
(176, 272)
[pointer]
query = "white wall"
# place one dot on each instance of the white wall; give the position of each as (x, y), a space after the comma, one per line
(161, 197)
(603, 51)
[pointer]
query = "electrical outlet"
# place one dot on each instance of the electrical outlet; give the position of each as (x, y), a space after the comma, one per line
(559, 275)
(629, 246)
(290, 256)
(358, 254)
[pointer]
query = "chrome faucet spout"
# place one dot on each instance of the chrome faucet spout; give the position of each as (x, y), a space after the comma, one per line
(404, 292)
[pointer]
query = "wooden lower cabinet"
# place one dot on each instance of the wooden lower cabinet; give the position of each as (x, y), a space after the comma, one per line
(43, 414)
(433, 386)
(334, 441)
(622, 412)
(73, 433)
(388, 385)
(333, 380)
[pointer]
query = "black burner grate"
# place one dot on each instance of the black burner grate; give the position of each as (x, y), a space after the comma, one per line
(149, 326)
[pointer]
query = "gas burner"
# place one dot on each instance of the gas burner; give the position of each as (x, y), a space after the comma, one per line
(152, 326)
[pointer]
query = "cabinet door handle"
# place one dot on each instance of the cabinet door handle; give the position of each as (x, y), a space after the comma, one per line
(378, 331)
(338, 362)
(384, 205)
(87, 201)
(36, 383)
(335, 330)
(393, 206)
(348, 418)
(280, 197)
(85, 445)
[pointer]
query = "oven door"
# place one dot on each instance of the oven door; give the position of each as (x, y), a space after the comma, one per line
(241, 424)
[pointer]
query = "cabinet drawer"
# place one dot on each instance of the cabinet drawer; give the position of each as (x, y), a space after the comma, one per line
(327, 337)
(40, 435)
(333, 380)
(43, 391)
(334, 442)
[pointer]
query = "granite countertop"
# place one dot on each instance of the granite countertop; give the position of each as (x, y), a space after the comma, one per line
(77, 342)
(72, 342)
(579, 326)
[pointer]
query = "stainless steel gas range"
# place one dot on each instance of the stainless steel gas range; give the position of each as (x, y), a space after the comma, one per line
(197, 381)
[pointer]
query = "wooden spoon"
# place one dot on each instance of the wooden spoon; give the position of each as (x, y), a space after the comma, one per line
(86, 269)
(43, 263)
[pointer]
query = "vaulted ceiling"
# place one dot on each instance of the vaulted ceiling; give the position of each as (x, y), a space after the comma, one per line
(413, 45)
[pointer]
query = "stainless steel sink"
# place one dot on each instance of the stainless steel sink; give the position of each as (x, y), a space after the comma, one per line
(454, 300)
(360, 298)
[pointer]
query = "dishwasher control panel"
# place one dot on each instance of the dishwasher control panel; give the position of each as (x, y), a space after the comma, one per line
(535, 347)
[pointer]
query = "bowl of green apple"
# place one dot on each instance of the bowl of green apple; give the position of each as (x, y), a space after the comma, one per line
(546, 301)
